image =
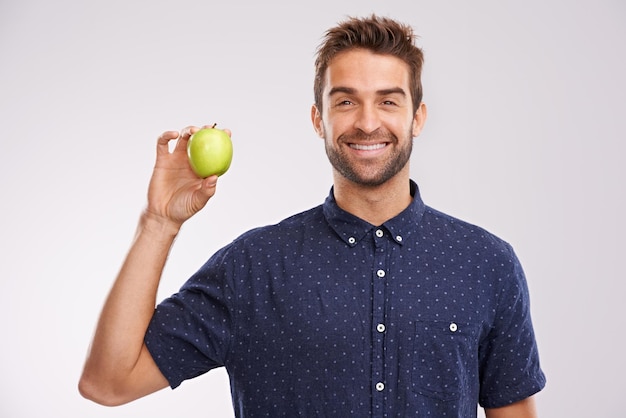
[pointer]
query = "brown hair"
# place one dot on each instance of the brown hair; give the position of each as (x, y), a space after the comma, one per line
(380, 35)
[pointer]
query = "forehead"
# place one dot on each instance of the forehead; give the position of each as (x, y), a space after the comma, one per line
(364, 70)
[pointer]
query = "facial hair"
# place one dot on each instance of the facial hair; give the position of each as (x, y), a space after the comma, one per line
(370, 178)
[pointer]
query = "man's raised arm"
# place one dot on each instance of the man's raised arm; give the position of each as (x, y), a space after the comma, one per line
(119, 368)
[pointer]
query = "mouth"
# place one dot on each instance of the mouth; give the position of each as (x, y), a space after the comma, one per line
(368, 147)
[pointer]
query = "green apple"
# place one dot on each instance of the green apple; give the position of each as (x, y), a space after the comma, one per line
(210, 152)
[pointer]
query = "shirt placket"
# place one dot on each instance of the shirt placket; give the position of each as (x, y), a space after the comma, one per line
(380, 276)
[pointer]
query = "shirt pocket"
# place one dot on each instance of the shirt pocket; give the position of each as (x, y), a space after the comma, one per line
(445, 359)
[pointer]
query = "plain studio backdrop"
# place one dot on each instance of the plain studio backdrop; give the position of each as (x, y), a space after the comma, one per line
(524, 137)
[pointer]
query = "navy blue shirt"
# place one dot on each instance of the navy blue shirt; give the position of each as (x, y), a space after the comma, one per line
(326, 315)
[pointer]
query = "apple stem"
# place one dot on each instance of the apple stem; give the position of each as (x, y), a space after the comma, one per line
(214, 125)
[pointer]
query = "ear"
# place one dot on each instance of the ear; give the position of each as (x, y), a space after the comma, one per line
(419, 119)
(316, 118)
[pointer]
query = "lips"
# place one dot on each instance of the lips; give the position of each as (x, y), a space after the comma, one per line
(360, 141)
(369, 147)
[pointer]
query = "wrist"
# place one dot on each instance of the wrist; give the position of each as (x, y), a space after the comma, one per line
(158, 225)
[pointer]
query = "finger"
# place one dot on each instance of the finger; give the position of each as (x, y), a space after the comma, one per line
(210, 182)
(163, 141)
(188, 131)
(185, 134)
(206, 191)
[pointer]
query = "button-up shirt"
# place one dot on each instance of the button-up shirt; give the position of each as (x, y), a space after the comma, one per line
(326, 315)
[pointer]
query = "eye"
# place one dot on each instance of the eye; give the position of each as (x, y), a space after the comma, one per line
(344, 103)
(389, 103)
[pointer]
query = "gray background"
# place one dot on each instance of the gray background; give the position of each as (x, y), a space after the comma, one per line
(524, 137)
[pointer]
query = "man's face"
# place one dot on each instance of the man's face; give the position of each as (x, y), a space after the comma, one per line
(367, 120)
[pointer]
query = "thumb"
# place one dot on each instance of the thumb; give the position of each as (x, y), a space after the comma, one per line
(208, 187)
(202, 194)
(210, 182)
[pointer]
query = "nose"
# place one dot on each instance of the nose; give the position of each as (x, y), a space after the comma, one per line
(367, 119)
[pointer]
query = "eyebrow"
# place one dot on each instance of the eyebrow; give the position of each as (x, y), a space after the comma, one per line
(383, 92)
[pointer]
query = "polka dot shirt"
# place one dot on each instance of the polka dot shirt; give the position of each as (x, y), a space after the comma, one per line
(325, 315)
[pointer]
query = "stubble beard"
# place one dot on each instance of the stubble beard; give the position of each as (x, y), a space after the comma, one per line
(371, 176)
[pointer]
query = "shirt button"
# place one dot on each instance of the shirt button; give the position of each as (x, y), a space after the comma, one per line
(453, 327)
(351, 240)
(399, 238)
(380, 327)
(380, 386)
(380, 273)
(379, 233)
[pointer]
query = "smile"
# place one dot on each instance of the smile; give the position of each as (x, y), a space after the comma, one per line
(362, 147)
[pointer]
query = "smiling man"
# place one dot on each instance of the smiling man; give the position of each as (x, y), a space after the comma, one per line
(368, 122)
(371, 304)
(371, 111)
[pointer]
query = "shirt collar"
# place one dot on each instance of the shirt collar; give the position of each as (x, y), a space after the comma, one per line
(352, 229)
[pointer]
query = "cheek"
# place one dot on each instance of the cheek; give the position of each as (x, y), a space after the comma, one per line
(327, 128)
(337, 125)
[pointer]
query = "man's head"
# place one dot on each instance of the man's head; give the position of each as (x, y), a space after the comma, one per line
(379, 35)
(368, 100)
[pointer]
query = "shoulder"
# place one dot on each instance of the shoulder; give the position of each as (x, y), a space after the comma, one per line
(260, 244)
(490, 259)
(289, 228)
(458, 231)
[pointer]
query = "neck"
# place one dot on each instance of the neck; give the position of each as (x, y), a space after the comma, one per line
(374, 204)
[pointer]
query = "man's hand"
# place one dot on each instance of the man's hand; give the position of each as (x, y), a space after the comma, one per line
(175, 192)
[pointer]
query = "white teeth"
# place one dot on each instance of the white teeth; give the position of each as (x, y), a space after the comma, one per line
(372, 147)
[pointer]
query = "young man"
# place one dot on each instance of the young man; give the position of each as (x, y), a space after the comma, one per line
(371, 304)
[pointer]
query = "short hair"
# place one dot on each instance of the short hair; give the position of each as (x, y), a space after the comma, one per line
(379, 35)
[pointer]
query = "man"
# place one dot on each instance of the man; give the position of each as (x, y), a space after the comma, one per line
(371, 304)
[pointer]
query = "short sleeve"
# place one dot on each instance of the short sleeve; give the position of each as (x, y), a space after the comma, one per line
(190, 331)
(509, 360)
